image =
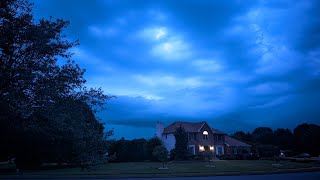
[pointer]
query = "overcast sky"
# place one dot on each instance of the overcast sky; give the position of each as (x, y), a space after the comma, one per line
(235, 64)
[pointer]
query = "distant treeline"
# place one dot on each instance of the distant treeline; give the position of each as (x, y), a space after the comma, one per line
(305, 138)
(132, 150)
(265, 143)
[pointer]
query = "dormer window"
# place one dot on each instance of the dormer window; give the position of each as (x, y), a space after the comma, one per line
(205, 135)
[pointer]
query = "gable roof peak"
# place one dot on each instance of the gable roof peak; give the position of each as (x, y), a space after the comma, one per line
(188, 126)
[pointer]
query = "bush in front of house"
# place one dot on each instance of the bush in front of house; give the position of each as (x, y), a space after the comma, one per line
(172, 154)
(149, 147)
(136, 150)
(198, 158)
(268, 151)
(161, 153)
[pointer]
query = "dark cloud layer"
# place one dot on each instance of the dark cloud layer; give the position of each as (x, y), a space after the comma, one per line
(235, 64)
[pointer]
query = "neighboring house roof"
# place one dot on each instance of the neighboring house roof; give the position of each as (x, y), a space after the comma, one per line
(188, 127)
(217, 131)
(229, 141)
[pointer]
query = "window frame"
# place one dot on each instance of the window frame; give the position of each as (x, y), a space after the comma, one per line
(235, 151)
(205, 135)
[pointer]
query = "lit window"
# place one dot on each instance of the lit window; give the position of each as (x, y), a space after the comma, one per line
(205, 135)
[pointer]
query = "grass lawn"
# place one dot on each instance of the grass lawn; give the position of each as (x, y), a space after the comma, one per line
(150, 169)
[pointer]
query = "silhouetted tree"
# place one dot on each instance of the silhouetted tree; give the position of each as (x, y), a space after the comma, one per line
(136, 150)
(242, 136)
(46, 111)
(181, 145)
(249, 137)
(149, 147)
(263, 135)
(267, 150)
(132, 150)
(283, 138)
(306, 138)
(123, 149)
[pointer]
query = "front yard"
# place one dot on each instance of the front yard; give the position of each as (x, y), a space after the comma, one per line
(191, 168)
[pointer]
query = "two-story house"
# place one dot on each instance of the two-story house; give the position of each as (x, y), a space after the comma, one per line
(201, 137)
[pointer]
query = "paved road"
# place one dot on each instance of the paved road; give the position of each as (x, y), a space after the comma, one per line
(291, 176)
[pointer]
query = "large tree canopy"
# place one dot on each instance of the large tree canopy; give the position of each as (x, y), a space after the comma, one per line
(30, 77)
(306, 137)
(43, 103)
(262, 135)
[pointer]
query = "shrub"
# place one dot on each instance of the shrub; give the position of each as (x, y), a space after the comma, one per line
(161, 153)
(113, 158)
(172, 154)
(198, 158)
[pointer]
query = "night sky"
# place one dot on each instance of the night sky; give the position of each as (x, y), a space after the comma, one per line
(235, 64)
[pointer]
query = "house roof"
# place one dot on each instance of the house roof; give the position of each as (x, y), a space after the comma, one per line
(188, 127)
(217, 131)
(229, 141)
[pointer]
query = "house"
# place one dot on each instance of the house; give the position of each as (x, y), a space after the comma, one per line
(202, 137)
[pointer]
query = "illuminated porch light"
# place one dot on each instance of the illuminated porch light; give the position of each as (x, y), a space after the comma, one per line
(211, 148)
(201, 148)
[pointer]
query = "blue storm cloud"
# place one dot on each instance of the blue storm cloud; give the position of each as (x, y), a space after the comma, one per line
(235, 64)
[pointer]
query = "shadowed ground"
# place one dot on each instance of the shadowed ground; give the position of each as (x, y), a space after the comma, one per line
(291, 176)
(150, 169)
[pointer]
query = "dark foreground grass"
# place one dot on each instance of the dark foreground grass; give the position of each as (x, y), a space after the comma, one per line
(150, 169)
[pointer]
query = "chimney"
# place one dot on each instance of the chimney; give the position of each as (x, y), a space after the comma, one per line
(159, 129)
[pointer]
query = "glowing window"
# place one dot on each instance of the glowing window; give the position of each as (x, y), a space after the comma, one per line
(205, 135)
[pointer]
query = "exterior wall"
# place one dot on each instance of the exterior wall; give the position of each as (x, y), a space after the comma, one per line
(213, 140)
(169, 141)
(196, 139)
(204, 142)
(218, 139)
(228, 150)
(200, 139)
(159, 129)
